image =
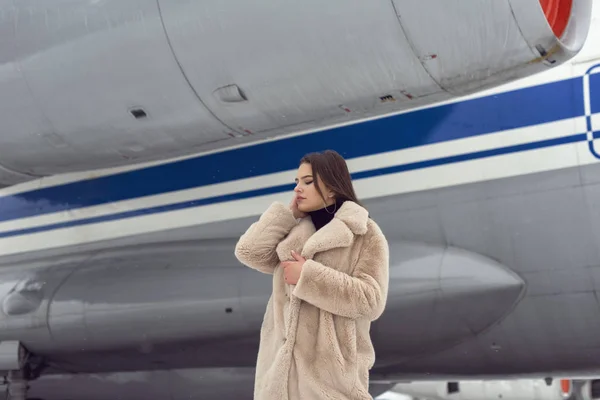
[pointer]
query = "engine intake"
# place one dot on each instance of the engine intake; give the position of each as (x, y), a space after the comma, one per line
(558, 13)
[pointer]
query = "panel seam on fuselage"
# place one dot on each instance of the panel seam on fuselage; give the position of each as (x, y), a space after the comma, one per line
(60, 284)
(19, 173)
(31, 93)
(414, 50)
(512, 12)
(162, 21)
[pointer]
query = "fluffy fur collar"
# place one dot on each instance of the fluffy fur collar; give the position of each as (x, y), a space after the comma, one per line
(351, 219)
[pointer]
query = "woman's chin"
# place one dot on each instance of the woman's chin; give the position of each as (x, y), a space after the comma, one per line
(304, 208)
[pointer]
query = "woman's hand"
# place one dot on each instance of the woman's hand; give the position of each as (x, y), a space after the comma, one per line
(293, 269)
(294, 207)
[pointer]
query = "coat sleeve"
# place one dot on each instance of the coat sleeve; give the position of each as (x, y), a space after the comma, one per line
(256, 247)
(360, 295)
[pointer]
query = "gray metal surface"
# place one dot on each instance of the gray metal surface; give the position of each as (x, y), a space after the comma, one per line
(144, 298)
(72, 71)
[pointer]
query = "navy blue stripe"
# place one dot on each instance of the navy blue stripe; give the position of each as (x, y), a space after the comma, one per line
(472, 156)
(595, 93)
(284, 188)
(525, 107)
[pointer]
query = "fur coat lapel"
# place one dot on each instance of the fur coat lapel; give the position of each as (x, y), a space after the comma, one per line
(295, 240)
(351, 219)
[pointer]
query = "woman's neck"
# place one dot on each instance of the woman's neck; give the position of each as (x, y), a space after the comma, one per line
(323, 216)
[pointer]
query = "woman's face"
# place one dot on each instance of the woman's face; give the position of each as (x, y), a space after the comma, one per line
(306, 191)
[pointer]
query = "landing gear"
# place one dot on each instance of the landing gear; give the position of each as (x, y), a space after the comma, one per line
(18, 366)
(16, 386)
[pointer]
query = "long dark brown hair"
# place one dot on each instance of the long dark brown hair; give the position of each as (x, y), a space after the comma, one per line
(330, 167)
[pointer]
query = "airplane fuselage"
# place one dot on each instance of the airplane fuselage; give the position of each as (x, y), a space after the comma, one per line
(141, 260)
(491, 206)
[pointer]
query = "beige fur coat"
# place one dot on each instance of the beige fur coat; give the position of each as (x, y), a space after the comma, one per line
(314, 341)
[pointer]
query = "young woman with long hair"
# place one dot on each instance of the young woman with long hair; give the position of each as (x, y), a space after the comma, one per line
(330, 263)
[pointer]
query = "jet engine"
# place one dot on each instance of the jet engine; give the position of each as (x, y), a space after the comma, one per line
(86, 85)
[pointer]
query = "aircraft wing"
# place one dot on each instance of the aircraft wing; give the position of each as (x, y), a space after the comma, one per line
(86, 85)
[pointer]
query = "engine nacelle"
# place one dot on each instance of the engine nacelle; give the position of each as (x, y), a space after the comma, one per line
(87, 85)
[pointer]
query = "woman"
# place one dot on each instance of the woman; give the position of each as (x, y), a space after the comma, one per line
(329, 263)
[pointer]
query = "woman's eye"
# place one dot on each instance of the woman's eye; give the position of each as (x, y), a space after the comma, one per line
(308, 183)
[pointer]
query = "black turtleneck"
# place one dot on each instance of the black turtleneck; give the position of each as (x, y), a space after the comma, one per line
(323, 216)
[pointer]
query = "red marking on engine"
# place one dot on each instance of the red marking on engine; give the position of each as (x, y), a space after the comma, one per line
(558, 13)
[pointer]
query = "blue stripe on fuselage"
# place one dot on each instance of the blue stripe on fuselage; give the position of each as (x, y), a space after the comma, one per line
(520, 108)
(594, 93)
(282, 188)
